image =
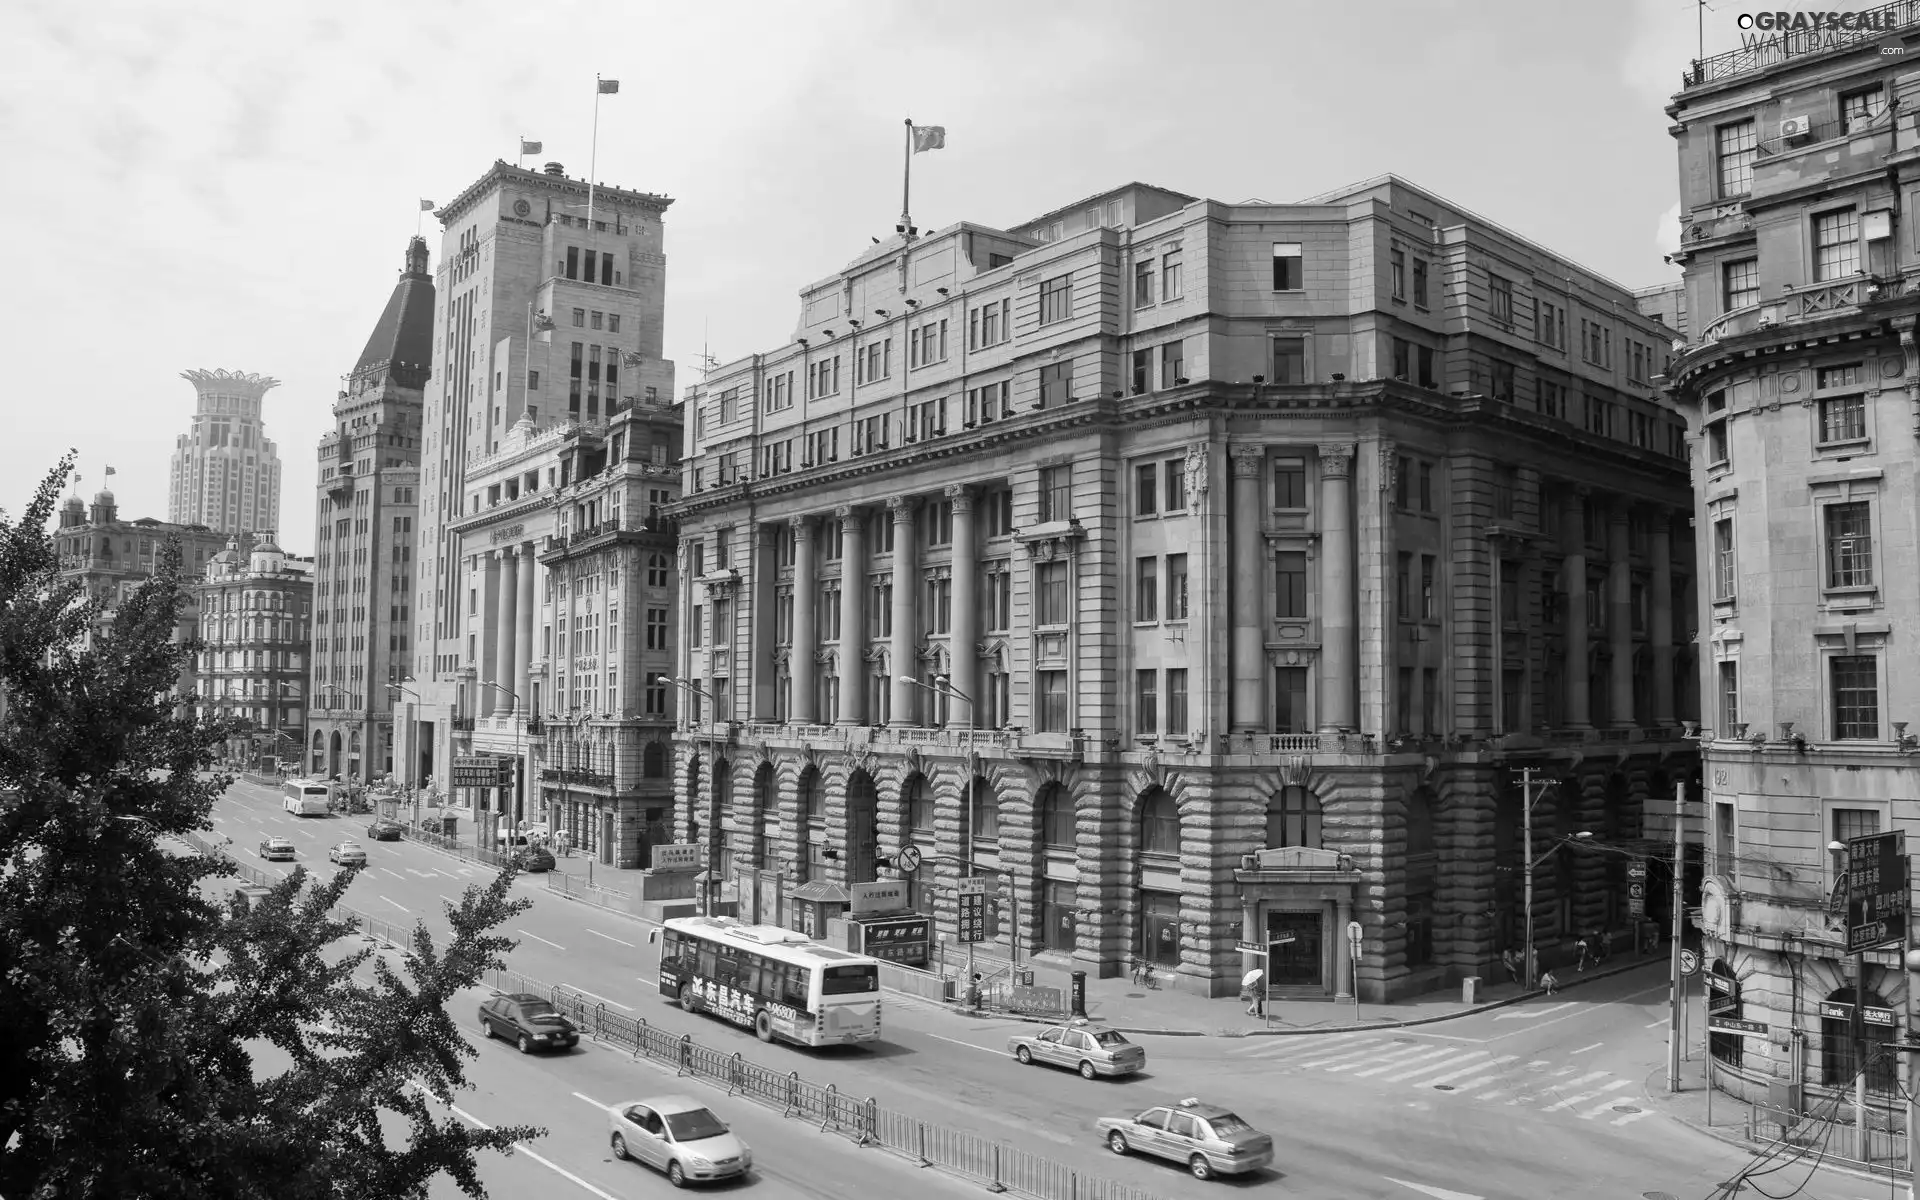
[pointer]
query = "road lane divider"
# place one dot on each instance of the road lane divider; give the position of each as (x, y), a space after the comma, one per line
(395, 874)
(611, 938)
(403, 908)
(536, 1156)
(536, 937)
(595, 995)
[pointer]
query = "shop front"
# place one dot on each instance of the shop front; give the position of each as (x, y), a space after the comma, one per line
(1297, 902)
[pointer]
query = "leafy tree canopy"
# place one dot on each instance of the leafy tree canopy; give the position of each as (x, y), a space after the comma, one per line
(132, 1005)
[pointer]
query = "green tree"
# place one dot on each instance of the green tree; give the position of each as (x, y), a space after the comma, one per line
(133, 1005)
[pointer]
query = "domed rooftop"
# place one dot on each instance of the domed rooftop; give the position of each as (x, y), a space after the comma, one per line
(103, 496)
(266, 545)
(75, 503)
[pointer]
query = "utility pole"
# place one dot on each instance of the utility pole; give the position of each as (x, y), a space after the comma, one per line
(1675, 979)
(1526, 822)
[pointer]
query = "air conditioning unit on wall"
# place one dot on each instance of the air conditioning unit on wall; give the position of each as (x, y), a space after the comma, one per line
(1795, 129)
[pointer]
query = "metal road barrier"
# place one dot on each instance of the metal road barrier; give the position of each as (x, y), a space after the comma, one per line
(591, 893)
(1807, 1134)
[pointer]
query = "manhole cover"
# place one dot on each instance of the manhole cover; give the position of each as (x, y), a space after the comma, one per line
(1406, 1041)
(1625, 1108)
(1442, 1087)
(1657, 1196)
(1136, 995)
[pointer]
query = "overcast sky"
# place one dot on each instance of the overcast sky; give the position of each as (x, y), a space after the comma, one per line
(219, 184)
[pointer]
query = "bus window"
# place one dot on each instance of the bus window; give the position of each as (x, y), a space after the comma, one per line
(796, 981)
(847, 981)
(670, 949)
(750, 973)
(707, 960)
(726, 967)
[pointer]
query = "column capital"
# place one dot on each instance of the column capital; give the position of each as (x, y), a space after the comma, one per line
(902, 508)
(961, 495)
(1247, 458)
(1389, 465)
(1336, 459)
(503, 554)
(851, 517)
(802, 528)
(1196, 470)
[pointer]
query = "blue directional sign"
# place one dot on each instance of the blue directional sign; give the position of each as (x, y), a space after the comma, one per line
(1876, 891)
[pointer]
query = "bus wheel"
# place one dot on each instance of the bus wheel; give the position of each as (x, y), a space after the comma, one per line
(688, 1000)
(763, 1026)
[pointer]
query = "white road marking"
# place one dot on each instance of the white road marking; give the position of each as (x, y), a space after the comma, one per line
(1282, 1047)
(1394, 1057)
(403, 908)
(1443, 1052)
(1630, 1118)
(1584, 1049)
(1655, 1024)
(1342, 1055)
(969, 1045)
(448, 899)
(396, 875)
(549, 1164)
(595, 996)
(1531, 1013)
(1427, 1189)
(1451, 1063)
(611, 938)
(592, 1101)
(1601, 1109)
(1570, 1101)
(420, 873)
(536, 937)
(648, 982)
(1474, 1069)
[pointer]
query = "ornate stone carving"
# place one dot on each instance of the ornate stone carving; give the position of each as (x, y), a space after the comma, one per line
(1196, 471)
(1247, 460)
(902, 508)
(802, 528)
(851, 517)
(933, 574)
(1389, 466)
(1336, 459)
(962, 497)
(1297, 769)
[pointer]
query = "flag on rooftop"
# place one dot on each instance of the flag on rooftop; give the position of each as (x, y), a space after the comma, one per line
(929, 137)
(609, 86)
(527, 147)
(109, 470)
(426, 206)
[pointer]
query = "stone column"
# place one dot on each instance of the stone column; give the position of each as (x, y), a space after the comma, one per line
(508, 592)
(1342, 950)
(966, 606)
(806, 629)
(853, 614)
(1573, 577)
(904, 694)
(1339, 642)
(1247, 701)
(1661, 604)
(486, 583)
(1620, 618)
(523, 635)
(766, 570)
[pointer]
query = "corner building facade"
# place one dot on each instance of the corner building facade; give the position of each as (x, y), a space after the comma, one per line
(1801, 382)
(1264, 543)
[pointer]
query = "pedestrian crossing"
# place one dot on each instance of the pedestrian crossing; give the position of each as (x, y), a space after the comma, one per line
(1480, 1075)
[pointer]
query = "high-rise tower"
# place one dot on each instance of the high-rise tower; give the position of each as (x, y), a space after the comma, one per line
(369, 474)
(226, 473)
(544, 311)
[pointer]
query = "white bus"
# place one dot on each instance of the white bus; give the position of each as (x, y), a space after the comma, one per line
(306, 798)
(770, 980)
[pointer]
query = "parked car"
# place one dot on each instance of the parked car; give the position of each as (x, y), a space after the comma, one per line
(528, 1022)
(1209, 1139)
(382, 830)
(1092, 1050)
(533, 858)
(277, 848)
(348, 851)
(679, 1136)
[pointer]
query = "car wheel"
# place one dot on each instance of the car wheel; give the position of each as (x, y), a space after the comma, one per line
(763, 1026)
(1201, 1168)
(1025, 1056)
(619, 1147)
(675, 1175)
(526, 1047)
(1117, 1142)
(486, 1027)
(1087, 1071)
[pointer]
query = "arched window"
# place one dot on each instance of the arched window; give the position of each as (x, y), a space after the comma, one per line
(917, 799)
(1159, 824)
(1839, 1061)
(1293, 819)
(1058, 828)
(986, 810)
(653, 760)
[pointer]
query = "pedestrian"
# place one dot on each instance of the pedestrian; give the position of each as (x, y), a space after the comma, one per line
(1253, 990)
(1581, 945)
(1510, 959)
(1548, 982)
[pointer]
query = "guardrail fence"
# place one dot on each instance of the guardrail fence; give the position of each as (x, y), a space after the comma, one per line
(1804, 1134)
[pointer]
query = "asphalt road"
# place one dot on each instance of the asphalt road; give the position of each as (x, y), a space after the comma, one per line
(1539, 1099)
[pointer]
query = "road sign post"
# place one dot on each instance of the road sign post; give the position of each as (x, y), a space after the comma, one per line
(972, 926)
(1876, 916)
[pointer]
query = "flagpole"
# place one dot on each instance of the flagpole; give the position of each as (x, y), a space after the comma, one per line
(593, 160)
(520, 160)
(906, 182)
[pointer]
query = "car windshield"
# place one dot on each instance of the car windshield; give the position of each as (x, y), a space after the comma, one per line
(1228, 1125)
(1107, 1039)
(695, 1125)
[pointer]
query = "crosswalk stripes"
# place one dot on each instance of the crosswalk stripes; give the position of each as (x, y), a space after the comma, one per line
(1478, 1075)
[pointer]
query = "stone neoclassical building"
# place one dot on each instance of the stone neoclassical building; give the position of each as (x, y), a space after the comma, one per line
(1235, 557)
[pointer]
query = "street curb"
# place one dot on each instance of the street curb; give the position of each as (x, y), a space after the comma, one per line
(1489, 1006)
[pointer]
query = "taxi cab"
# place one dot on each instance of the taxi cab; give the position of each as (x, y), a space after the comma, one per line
(1209, 1139)
(1092, 1050)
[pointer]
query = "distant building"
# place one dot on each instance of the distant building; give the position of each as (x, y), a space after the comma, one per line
(1800, 379)
(225, 472)
(1204, 575)
(364, 542)
(1667, 304)
(254, 605)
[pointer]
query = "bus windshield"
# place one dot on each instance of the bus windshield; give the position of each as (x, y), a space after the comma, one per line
(847, 981)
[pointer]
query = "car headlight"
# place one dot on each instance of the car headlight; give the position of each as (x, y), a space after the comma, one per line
(695, 1160)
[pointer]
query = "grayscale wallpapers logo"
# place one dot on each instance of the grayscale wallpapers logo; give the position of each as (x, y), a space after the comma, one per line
(1809, 32)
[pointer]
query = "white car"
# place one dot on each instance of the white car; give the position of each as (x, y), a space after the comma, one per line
(348, 851)
(680, 1136)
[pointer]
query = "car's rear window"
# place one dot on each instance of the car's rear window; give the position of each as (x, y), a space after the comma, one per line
(1109, 1038)
(538, 1008)
(692, 1126)
(1228, 1125)
(847, 981)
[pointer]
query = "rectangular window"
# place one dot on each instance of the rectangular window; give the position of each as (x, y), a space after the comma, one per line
(1143, 283)
(1287, 275)
(1050, 714)
(1056, 299)
(1858, 109)
(1176, 714)
(1290, 700)
(1146, 491)
(1510, 592)
(1836, 245)
(1056, 493)
(1146, 701)
(1843, 419)
(598, 320)
(1290, 586)
(1856, 697)
(1051, 601)
(1500, 299)
(1176, 587)
(1429, 597)
(1735, 146)
(1423, 367)
(1729, 696)
(1849, 545)
(1056, 383)
(999, 602)
(1717, 444)
(1403, 587)
(1430, 700)
(1171, 285)
(1402, 359)
(1142, 371)
(1740, 283)
(1172, 364)
(1397, 272)
(1290, 483)
(1174, 472)
(1426, 487)
(1146, 589)
(1289, 360)
(1420, 283)
(1500, 381)
(579, 318)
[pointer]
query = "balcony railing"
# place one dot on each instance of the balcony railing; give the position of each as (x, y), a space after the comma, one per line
(1765, 49)
(579, 778)
(463, 724)
(1795, 304)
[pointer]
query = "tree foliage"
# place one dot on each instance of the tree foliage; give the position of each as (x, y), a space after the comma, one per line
(135, 1006)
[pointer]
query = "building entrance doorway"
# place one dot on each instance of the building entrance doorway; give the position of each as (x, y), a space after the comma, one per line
(1299, 962)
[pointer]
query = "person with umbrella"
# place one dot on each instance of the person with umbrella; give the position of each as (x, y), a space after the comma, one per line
(1254, 992)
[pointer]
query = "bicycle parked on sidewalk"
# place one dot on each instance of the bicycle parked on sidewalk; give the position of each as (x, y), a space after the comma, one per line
(1143, 974)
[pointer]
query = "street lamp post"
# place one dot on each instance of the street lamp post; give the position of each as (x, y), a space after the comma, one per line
(519, 801)
(411, 775)
(942, 686)
(1529, 969)
(710, 895)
